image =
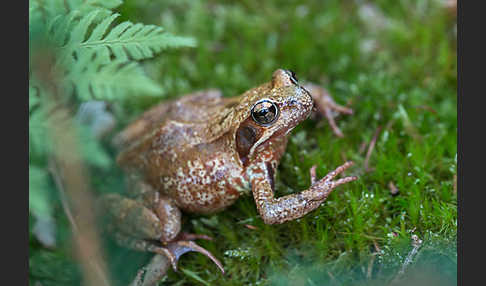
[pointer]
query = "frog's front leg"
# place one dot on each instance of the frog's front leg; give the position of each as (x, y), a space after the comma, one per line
(326, 105)
(278, 210)
(151, 223)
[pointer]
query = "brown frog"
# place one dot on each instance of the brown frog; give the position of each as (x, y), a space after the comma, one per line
(201, 152)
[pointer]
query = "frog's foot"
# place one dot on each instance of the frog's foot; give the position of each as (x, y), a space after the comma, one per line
(327, 107)
(327, 181)
(175, 249)
(279, 210)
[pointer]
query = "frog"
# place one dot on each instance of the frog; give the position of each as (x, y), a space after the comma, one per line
(200, 152)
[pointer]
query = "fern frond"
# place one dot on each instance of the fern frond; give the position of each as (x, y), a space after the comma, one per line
(81, 28)
(35, 14)
(33, 97)
(125, 41)
(51, 8)
(45, 118)
(92, 78)
(94, 4)
(39, 202)
(39, 142)
(60, 26)
(91, 149)
(48, 9)
(93, 54)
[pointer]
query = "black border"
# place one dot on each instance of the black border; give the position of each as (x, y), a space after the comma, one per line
(471, 78)
(15, 143)
(460, 125)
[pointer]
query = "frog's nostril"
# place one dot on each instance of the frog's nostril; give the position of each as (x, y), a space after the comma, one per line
(292, 74)
(293, 77)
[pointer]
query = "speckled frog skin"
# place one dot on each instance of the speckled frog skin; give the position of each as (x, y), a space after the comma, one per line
(201, 152)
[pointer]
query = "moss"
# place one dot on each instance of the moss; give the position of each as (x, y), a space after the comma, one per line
(395, 65)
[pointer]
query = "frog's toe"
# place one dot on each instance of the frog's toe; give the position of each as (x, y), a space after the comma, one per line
(330, 119)
(313, 176)
(339, 108)
(327, 107)
(329, 185)
(177, 248)
(338, 170)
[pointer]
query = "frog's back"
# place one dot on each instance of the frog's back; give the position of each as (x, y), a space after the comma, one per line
(171, 123)
(192, 108)
(202, 177)
(174, 148)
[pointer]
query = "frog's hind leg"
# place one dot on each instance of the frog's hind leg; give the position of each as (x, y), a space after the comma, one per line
(172, 250)
(152, 222)
(326, 106)
(175, 247)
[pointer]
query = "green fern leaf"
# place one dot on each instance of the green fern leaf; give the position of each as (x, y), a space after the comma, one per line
(108, 4)
(91, 149)
(51, 8)
(92, 78)
(101, 29)
(60, 27)
(33, 97)
(41, 122)
(79, 32)
(39, 142)
(124, 42)
(35, 14)
(93, 54)
(39, 203)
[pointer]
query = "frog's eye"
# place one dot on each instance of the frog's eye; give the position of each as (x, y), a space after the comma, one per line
(264, 112)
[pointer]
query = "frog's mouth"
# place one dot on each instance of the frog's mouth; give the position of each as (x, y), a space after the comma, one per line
(249, 139)
(281, 132)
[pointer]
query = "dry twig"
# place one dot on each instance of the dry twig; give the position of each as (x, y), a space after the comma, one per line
(362, 147)
(416, 243)
(252, 227)
(370, 265)
(371, 147)
(69, 173)
(377, 247)
(393, 189)
(72, 183)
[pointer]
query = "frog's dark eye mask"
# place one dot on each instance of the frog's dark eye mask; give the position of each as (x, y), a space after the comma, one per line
(265, 112)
